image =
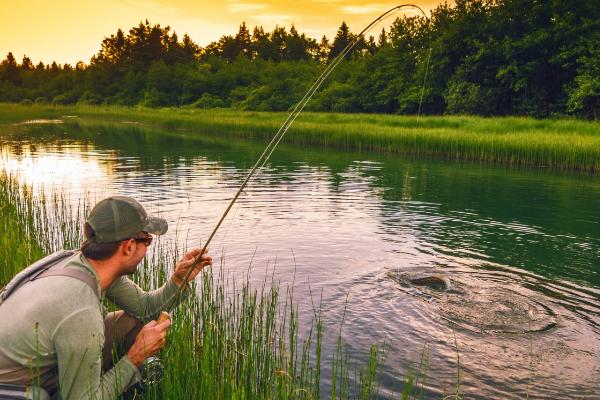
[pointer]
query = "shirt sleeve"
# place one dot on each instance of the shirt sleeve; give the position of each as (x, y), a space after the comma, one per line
(78, 341)
(125, 294)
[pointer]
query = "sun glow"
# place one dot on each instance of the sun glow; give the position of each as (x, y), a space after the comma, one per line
(68, 31)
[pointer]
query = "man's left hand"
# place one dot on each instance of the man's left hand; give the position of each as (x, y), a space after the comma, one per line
(183, 266)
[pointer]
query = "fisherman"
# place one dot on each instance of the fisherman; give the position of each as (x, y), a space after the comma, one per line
(54, 330)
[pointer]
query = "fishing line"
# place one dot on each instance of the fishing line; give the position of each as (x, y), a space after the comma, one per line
(424, 81)
(284, 128)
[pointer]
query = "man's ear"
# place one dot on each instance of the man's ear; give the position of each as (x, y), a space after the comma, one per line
(128, 247)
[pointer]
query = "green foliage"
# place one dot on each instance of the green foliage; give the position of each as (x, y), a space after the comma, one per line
(89, 97)
(481, 57)
(584, 95)
(466, 98)
(336, 97)
(65, 98)
(32, 226)
(162, 86)
(209, 101)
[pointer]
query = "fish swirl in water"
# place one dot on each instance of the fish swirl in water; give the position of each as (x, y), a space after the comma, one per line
(497, 310)
(483, 309)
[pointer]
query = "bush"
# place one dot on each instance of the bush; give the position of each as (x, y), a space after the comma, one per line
(155, 98)
(466, 98)
(336, 97)
(90, 97)
(65, 98)
(584, 93)
(209, 101)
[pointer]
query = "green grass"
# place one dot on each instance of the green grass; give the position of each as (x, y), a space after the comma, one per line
(228, 341)
(29, 227)
(553, 143)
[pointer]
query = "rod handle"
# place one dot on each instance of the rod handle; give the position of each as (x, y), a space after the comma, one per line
(163, 317)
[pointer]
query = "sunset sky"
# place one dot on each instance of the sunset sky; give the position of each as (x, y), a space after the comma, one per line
(71, 30)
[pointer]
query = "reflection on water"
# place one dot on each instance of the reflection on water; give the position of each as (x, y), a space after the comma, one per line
(519, 248)
(55, 165)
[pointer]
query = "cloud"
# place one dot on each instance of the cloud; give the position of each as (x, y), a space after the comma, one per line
(244, 7)
(151, 6)
(272, 19)
(367, 9)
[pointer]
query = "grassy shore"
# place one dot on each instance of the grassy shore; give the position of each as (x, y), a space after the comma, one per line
(552, 143)
(221, 346)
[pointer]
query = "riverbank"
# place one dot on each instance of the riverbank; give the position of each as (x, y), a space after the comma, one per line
(551, 143)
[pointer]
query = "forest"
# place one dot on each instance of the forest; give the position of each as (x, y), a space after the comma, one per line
(537, 58)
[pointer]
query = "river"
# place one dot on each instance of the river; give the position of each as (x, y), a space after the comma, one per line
(519, 247)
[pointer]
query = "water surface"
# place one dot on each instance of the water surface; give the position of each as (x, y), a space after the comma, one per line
(520, 247)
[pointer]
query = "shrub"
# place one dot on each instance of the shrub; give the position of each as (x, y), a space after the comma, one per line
(209, 101)
(466, 98)
(65, 98)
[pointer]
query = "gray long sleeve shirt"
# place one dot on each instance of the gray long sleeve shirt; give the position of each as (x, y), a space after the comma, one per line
(58, 321)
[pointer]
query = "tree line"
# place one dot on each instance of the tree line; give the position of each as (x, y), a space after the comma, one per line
(483, 57)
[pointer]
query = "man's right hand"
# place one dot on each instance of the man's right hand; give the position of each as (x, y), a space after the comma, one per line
(148, 342)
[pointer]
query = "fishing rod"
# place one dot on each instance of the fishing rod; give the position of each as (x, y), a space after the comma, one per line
(284, 128)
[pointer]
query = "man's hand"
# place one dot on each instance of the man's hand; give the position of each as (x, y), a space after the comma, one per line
(148, 342)
(183, 266)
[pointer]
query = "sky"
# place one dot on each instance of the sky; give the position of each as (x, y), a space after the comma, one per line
(68, 31)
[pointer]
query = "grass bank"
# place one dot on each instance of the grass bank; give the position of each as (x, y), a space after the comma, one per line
(228, 341)
(552, 143)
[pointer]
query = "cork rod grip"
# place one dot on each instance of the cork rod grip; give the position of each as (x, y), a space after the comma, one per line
(163, 317)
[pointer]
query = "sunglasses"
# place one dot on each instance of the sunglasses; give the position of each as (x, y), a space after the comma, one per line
(146, 240)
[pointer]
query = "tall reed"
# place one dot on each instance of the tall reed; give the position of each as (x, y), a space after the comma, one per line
(33, 224)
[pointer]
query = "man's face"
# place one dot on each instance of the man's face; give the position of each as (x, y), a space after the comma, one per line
(135, 251)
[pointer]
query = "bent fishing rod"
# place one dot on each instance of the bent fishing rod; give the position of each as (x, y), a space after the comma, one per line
(266, 154)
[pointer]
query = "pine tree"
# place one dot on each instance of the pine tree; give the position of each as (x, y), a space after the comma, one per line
(371, 45)
(324, 49)
(383, 39)
(243, 41)
(261, 45)
(26, 63)
(9, 69)
(342, 39)
(278, 37)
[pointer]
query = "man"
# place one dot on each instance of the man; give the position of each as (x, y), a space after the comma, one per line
(54, 331)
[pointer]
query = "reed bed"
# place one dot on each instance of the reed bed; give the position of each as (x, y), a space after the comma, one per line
(33, 225)
(553, 143)
(226, 341)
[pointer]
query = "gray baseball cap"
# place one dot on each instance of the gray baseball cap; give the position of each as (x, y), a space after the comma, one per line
(120, 217)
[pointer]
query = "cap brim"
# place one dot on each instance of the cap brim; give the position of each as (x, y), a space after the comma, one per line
(156, 226)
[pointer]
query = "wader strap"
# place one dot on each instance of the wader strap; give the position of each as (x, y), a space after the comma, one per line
(44, 268)
(78, 274)
(31, 272)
